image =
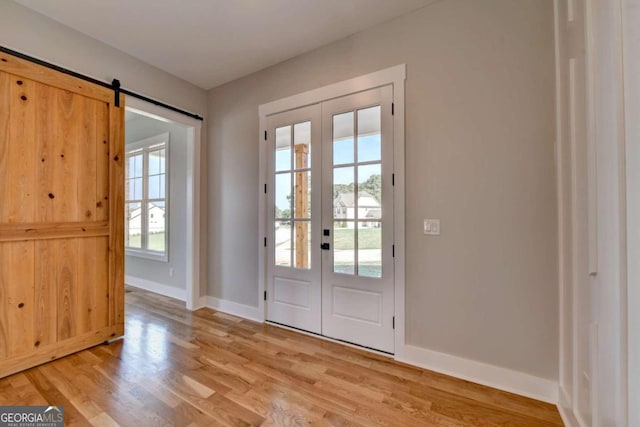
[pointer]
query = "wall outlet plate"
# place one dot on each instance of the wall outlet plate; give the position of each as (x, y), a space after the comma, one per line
(432, 227)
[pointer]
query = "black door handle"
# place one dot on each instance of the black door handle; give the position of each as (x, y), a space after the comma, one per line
(325, 246)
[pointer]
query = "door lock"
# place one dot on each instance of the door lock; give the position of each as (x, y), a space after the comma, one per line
(325, 246)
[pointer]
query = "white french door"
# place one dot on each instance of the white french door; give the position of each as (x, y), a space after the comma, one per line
(357, 212)
(330, 219)
(293, 219)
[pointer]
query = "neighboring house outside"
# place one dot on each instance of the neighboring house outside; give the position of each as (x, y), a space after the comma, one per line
(344, 207)
(156, 220)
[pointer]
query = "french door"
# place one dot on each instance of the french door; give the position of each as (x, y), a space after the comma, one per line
(294, 193)
(330, 219)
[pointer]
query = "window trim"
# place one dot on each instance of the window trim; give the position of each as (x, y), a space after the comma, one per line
(146, 146)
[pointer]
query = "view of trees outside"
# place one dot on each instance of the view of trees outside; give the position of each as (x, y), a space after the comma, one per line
(373, 186)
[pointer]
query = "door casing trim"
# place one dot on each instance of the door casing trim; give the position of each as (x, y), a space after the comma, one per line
(396, 77)
(194, 141)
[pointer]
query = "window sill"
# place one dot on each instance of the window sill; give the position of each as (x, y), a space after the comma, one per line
(153, 256)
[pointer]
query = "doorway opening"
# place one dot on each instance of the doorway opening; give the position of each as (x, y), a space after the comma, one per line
(161, 201)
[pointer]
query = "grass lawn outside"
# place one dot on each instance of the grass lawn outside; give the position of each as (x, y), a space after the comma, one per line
(369, 250)
(368, 238)
(156, 241)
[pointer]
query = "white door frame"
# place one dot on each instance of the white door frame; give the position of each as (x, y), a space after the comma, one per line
(630, 11)
(394, 76)
(194, 142)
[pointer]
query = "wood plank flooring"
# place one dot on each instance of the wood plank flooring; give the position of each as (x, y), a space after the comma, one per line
(176, 368)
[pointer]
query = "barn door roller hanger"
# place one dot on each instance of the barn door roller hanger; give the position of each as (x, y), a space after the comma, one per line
(115, 84)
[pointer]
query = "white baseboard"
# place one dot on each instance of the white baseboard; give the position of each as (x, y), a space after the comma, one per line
(565, 408)
(567, 417)
(482, 373)
(158, 288)
(199, 303)
(241, 310)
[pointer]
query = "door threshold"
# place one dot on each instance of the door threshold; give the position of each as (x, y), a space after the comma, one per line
(333, 340)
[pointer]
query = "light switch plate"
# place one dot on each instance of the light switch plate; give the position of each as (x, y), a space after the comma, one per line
(432, 227)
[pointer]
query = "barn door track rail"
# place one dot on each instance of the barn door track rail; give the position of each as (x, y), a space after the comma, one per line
(114, 85)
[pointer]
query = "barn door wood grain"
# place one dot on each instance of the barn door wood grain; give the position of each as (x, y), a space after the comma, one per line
(61, 215)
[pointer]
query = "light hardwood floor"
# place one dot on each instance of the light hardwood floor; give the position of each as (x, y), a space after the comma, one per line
(208, 369)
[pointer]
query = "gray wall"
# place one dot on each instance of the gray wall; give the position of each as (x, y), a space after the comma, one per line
(479, 156)
(156, 271)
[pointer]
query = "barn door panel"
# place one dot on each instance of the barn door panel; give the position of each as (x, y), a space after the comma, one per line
(61, 215)
(17, 326)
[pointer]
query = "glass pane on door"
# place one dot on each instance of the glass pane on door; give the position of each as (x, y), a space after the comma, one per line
(283, 148)
(344, 245)
(292, 195)
(283, 243)
(344, 203)
(370, 192)
(357, 193)
(343, 151)
(370, 249)
(302, 244)
(303, 195)
(302, 144)
(283, 196)
(369, 137)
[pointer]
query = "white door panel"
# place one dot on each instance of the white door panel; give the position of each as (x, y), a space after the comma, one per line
(357, 305)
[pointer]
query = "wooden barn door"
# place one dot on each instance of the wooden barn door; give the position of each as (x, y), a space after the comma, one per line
(61, 215)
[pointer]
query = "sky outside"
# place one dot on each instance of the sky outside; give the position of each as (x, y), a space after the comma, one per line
(156, 175)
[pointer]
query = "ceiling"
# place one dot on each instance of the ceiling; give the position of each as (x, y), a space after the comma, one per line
(211, 42)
